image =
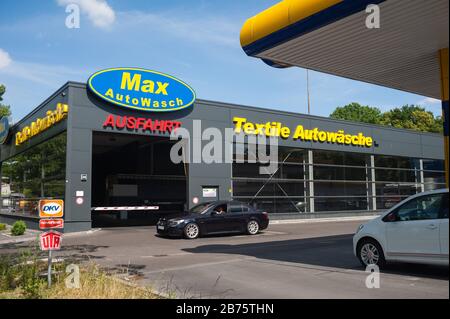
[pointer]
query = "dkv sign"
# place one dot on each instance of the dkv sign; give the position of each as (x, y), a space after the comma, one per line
(53, 208)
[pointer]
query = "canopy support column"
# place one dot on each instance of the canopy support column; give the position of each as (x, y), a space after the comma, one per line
(443, 56)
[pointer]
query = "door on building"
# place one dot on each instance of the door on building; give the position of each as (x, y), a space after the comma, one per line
(135, 171)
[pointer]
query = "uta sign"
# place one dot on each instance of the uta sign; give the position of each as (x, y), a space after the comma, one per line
(50, 241)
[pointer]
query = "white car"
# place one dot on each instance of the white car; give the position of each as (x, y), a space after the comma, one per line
(413, 231)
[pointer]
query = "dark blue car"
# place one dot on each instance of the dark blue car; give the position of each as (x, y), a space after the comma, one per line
(218, 217)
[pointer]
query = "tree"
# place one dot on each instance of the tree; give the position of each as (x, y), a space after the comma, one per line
(357, 113)
(4, 109)
(413, 117)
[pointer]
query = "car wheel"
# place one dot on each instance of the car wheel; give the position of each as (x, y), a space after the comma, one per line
(191, 231)
(371, 253)
(252, 227)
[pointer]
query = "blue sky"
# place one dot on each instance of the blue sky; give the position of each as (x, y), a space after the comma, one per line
(197, 41)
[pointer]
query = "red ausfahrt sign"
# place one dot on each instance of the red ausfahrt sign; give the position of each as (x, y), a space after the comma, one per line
(50, 240)
(57, 223)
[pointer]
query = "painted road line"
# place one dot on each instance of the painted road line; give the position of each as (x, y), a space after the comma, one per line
(87, 232)
(273, 232)
(263, 233)
(198, 265)
(166, 255)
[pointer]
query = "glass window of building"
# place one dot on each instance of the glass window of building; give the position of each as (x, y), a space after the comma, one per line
(281, 191)
(341, 181)
(38, 173)
(397, 178)
(332, 182)
(433, 174)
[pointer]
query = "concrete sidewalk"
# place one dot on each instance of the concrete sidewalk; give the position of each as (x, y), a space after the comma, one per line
(7, 238)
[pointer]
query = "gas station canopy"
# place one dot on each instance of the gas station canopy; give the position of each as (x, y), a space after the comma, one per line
(331, 36)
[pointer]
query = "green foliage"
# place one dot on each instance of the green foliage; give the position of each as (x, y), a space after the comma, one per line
(23, 275)
(2, 227)
(411, 117)
(30, 282)
(357, 113)
(4, 109)
(18, 228)
(22, 272)
(6, 273)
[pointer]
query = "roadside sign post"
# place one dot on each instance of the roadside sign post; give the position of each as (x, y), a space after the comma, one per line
(51, 213)
(49, 269)
(50, 241)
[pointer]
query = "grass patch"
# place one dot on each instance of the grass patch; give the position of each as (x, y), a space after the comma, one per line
(2, 227)
(24, 276)
(19, 275)
(97, 284)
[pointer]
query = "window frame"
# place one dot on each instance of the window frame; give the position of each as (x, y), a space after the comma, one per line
(395, 212)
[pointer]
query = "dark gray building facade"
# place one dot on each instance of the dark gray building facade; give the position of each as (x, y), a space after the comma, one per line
(77, 156)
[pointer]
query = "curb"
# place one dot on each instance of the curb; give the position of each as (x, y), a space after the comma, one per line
(30, 235)
(81, 233)
(157, 293)
(322, 220)
(17, 240)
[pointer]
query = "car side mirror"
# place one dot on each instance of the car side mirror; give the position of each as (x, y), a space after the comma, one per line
(390, 218)
(213, 213)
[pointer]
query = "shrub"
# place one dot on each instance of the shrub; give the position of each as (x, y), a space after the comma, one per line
(30, 282)
(2, 227)
(18, 228)
(6, 276)
(20, 275)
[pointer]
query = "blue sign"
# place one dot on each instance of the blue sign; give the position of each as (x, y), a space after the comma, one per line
(4, 129)
(141, 89)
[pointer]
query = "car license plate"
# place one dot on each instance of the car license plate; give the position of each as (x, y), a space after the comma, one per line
(161, 227)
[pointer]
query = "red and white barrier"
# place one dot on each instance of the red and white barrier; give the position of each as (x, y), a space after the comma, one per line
(125, 208)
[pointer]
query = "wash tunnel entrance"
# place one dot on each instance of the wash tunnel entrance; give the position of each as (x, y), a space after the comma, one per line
(134, 181)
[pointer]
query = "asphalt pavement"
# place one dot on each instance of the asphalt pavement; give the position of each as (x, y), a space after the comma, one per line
(307, 260)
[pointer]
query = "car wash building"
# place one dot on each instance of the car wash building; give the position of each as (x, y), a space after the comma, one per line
(105, 148)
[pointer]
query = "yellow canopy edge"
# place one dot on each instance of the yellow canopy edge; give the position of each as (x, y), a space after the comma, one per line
(280, 16)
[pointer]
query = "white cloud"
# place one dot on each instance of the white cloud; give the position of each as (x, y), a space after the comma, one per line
(428, 101)
(99, 12)
(28, 84)
(48, 75)
(207, 29)
(5, 59)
